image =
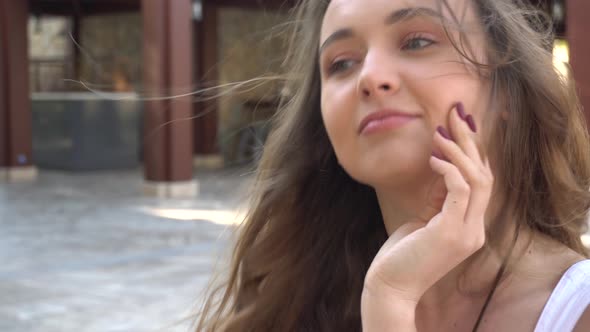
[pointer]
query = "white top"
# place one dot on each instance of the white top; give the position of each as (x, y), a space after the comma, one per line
(568, 301)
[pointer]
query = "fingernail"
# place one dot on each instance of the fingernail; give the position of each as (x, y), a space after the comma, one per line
(443, 132)
(471, 123)
(461, 111)
(438, 156)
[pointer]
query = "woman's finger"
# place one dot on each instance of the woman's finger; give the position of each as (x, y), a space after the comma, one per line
(478, 177)
(463, 130)
(456, 156)
(480, 196)
(458, 190)
(461, 222)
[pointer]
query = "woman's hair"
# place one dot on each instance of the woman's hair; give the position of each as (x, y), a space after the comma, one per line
(312, 232)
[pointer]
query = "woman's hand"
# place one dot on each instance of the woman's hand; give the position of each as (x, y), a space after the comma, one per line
(422, 251)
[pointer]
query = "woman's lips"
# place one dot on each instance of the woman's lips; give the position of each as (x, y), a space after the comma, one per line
(384, 121)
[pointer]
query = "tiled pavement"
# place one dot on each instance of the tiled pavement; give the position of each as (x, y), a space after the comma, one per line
(86, 252)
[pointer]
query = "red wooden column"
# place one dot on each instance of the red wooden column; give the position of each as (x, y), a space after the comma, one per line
(168, 63)
(206, 71)
(15, 105)
(577, 29)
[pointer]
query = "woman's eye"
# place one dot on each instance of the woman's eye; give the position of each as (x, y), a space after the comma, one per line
(417, 43)
(340, 66)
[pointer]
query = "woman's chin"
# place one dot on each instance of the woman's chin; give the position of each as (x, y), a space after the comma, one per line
(391, 178)
(391, 172)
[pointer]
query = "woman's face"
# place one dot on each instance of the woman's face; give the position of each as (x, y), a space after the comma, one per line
(382, 56)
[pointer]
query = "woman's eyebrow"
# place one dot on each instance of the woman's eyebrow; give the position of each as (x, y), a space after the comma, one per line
(340, 34)
(395, 17)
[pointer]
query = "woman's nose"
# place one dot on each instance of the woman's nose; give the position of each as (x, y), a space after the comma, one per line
(379, 77)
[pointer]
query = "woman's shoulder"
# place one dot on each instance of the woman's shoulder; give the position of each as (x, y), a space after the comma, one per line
(578, 273)
(567, 306)
(574, 283)
(534, 281)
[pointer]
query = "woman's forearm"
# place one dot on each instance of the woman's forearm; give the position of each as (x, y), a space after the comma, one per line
(383, 314)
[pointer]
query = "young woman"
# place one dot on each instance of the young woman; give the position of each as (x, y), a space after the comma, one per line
(430, 173)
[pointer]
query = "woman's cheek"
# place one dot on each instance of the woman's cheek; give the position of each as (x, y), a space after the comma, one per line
(333, 122)
(330, 123)
(333, 113)
(339, 138)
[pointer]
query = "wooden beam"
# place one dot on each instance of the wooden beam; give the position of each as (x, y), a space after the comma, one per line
(4, 86)
(68, 7)
(205, 122)
(577, 35)
(65, 7)
(167, 54)
(15, 105)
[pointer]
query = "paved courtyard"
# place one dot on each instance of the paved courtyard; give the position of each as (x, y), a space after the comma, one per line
(86, 252)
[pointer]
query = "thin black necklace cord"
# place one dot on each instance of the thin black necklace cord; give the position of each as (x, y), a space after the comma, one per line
(496, 281)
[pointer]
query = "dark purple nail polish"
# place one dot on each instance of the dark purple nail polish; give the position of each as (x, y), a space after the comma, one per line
(438, 156)
(443, 132)
(471, 123)
(461, 111)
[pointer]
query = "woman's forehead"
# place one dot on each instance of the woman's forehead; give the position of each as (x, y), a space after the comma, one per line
(342, 13)
(349, 6)
(346, 8)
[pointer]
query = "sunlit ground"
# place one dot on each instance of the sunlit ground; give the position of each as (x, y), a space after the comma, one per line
(227, 217)
(220, 217)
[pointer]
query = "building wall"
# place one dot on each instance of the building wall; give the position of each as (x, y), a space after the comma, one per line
(111, 51)
(49, 52)
(251, 44)
(48, 36)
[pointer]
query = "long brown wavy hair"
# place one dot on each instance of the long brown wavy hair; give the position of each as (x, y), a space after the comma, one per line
(312, 231)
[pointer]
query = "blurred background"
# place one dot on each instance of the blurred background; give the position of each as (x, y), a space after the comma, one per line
(120, 187)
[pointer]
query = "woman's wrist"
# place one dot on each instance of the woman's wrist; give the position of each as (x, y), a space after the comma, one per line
(383, 311)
